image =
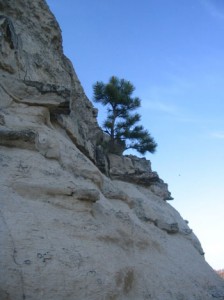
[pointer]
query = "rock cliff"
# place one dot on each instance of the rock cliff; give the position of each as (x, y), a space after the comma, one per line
(75, 224)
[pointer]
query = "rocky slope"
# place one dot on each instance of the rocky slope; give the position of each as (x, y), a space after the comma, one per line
(75, 224)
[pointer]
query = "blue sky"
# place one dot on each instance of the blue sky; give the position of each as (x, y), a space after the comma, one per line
(173, 53)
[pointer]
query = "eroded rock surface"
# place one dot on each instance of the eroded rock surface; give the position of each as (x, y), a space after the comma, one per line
(68, 231)
(35, 72)
(137, 170)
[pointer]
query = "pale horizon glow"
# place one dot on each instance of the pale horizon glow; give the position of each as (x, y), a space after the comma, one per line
(173, 53)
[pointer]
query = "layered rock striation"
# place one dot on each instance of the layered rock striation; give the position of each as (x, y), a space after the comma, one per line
(76, 223)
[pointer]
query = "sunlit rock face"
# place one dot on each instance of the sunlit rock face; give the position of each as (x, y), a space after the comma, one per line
(34, 71)
(67, 230)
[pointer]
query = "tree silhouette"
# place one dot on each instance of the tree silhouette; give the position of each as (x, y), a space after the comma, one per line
(121, 122)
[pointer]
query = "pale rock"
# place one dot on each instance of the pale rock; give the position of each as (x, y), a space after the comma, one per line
(36, 72)
(66, 230)
(137, 170)
(47, 145)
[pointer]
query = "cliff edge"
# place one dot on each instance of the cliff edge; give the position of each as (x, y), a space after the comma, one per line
(75, 224)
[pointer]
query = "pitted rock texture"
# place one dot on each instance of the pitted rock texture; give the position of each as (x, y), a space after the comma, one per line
(67, 231)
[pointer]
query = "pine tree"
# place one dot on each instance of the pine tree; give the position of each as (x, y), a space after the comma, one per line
(121, 123)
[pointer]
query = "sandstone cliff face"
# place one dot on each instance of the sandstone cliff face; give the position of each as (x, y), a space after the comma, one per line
(36, 72)
(68, 231)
